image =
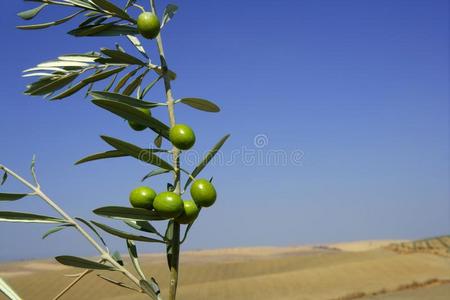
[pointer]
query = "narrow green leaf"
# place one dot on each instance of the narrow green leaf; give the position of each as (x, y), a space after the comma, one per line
(83, 58)
(82, 4)
(200, 104)
(168, 236)
(70, 91)
(110, 7)
(142, 226)
(169, 253)
(137, 44)
(92, 228)
(91, 30)
(125, 235)
(89, 20)
(20, 217)
(53, 85)
(155, 173)
(49, 24)
(56, 229)
(111, 83)
(149, 86)
(128, 213)
(124, 99)
(31, 13)
(110, 154)
(206, 159)
(79, 262)
(186, 232)
(169, 12)
(101, 155)
(133, 114)
(109, 29)
(102, 75)
(11, 197)
(125, 79)
(132, 251)
(134, 84)
(4, 178)
(122, 57)
(137, 152)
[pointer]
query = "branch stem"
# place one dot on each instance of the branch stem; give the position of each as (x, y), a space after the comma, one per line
(104, 253)
(176, 165)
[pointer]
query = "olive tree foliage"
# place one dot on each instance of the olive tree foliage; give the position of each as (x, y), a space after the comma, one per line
(116, 80)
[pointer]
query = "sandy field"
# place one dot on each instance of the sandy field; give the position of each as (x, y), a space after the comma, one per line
(375, 270)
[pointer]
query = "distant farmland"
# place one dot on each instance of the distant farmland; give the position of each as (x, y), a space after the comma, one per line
(363, 270)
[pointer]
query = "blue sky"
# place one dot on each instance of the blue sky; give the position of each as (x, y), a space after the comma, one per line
(358, 88)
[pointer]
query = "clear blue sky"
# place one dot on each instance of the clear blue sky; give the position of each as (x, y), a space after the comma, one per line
(359, 87)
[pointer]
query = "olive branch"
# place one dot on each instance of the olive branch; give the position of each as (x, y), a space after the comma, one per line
(116, 79)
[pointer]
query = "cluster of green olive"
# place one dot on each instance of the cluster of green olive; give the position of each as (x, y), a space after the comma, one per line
(170, 204)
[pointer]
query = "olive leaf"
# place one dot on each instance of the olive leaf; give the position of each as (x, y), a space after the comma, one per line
(20, 217)
(92, 228)
(168, 14)
(49, 24)
(134, 84)
(131, 113)
(108, 29)
(55, 229)
(124, 99)
(137, 152)
(132, 251)
(186, 232)
(125, 235)
(200, 104)
(137, 44)
(79, 262)
(111, 83)
(31, 13)
(128, 213)
(91, 79)
(11, 197)
(125, 79)
(112, 8)
(51, 84)
(101, 155)
(4, 178)
(149, 86)
(155, 173)
(206, 159)
(169, 248)
(122, 57)
(142, 226)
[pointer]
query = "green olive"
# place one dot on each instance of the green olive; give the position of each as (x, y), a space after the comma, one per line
(142, 197)
(182, 136)
(189, 214)
(148, 25)
(203, 193)
(168, 204)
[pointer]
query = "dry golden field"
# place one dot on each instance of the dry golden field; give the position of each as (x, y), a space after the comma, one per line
(373, 270)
